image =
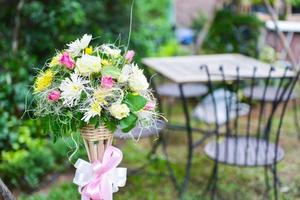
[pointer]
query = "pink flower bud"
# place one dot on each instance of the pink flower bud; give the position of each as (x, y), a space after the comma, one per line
(129, 55)
(149, 106)
(107, 82)
(54, 95)
(67, 60)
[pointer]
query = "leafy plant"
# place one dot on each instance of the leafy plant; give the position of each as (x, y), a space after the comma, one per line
(233, 33)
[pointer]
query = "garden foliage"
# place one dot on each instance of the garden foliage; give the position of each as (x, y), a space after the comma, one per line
(233, 33)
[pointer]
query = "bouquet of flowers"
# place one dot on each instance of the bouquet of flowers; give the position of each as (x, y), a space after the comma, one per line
(95, 89)
(97, 85)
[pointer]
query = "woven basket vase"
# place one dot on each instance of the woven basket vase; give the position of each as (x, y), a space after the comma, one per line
(96, 140)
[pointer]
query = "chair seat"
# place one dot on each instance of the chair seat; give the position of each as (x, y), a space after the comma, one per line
(206, 113)
(227, 107)
(139, 132)
(271, 93)
(190, 90)
(242, 152)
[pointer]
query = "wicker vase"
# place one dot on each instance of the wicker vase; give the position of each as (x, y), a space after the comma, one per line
(96, 140)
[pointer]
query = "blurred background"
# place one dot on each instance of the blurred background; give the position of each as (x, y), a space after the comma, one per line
(35, 168)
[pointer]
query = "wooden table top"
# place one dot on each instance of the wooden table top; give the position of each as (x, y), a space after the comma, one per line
(186, 69)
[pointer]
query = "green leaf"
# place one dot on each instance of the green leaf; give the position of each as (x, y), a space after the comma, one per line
(128, 123)
(112, 71)
(135, 102)
(109, 122)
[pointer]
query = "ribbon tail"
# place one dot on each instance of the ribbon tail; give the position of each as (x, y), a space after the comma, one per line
(118, 178)
(106, 188)
(84, 196)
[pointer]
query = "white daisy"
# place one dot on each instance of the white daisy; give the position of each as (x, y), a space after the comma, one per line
(71, 89)
(78, 45)
(113, 52)
(94, 110)
(137, 80)
(126, 70)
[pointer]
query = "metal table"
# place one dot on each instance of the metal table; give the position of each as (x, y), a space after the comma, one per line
(186, 69)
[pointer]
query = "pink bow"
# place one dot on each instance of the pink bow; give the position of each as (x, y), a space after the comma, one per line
(100, 187)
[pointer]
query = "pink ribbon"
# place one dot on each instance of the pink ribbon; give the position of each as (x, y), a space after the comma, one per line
(100, 187)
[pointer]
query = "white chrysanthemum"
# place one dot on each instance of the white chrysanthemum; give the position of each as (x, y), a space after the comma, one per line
(113, 52)
(119, 111)
(94, 110)
(78, 45)
(126, 70)
(87, 65)
(137, 80)
(71, 89)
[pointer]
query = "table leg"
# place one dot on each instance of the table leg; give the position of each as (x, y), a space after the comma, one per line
(189, 141)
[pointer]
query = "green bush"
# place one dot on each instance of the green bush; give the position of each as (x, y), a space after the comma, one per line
(294, 2)
(233, 33)
(24, 168)
(60, 192)
(172, 48)
(30, 159)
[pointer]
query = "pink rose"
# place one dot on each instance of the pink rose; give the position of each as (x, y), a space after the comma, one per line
(54, 95)
(67, 60)
(149, 106)
(107, 82)
(129, 55)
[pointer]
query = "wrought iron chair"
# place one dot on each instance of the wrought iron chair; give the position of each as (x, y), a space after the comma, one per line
(251, 140)
(258, 93)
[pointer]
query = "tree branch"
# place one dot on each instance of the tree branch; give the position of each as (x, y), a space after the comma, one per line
(281, 35)
(16, 30)
(200, 37)
(5, 192)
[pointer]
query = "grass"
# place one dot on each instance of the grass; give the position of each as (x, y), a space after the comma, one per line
(153, 182)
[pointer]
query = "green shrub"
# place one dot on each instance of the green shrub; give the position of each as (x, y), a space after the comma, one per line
(233, 33)
(267, 54)
(172, 48)
(25, 168)
(59, 192)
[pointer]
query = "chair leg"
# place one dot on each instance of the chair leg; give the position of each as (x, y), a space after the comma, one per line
(212, 182)
(168, 163)
(170, 106)
(266, 195)
(275, 181)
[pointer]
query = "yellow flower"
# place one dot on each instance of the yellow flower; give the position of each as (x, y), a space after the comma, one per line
(55, 60)
(100, 94)
(43, 81)
(89, 50)
(95, 108)
(105, 62)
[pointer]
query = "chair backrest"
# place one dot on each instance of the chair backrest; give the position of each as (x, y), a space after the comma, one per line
(254, 109)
